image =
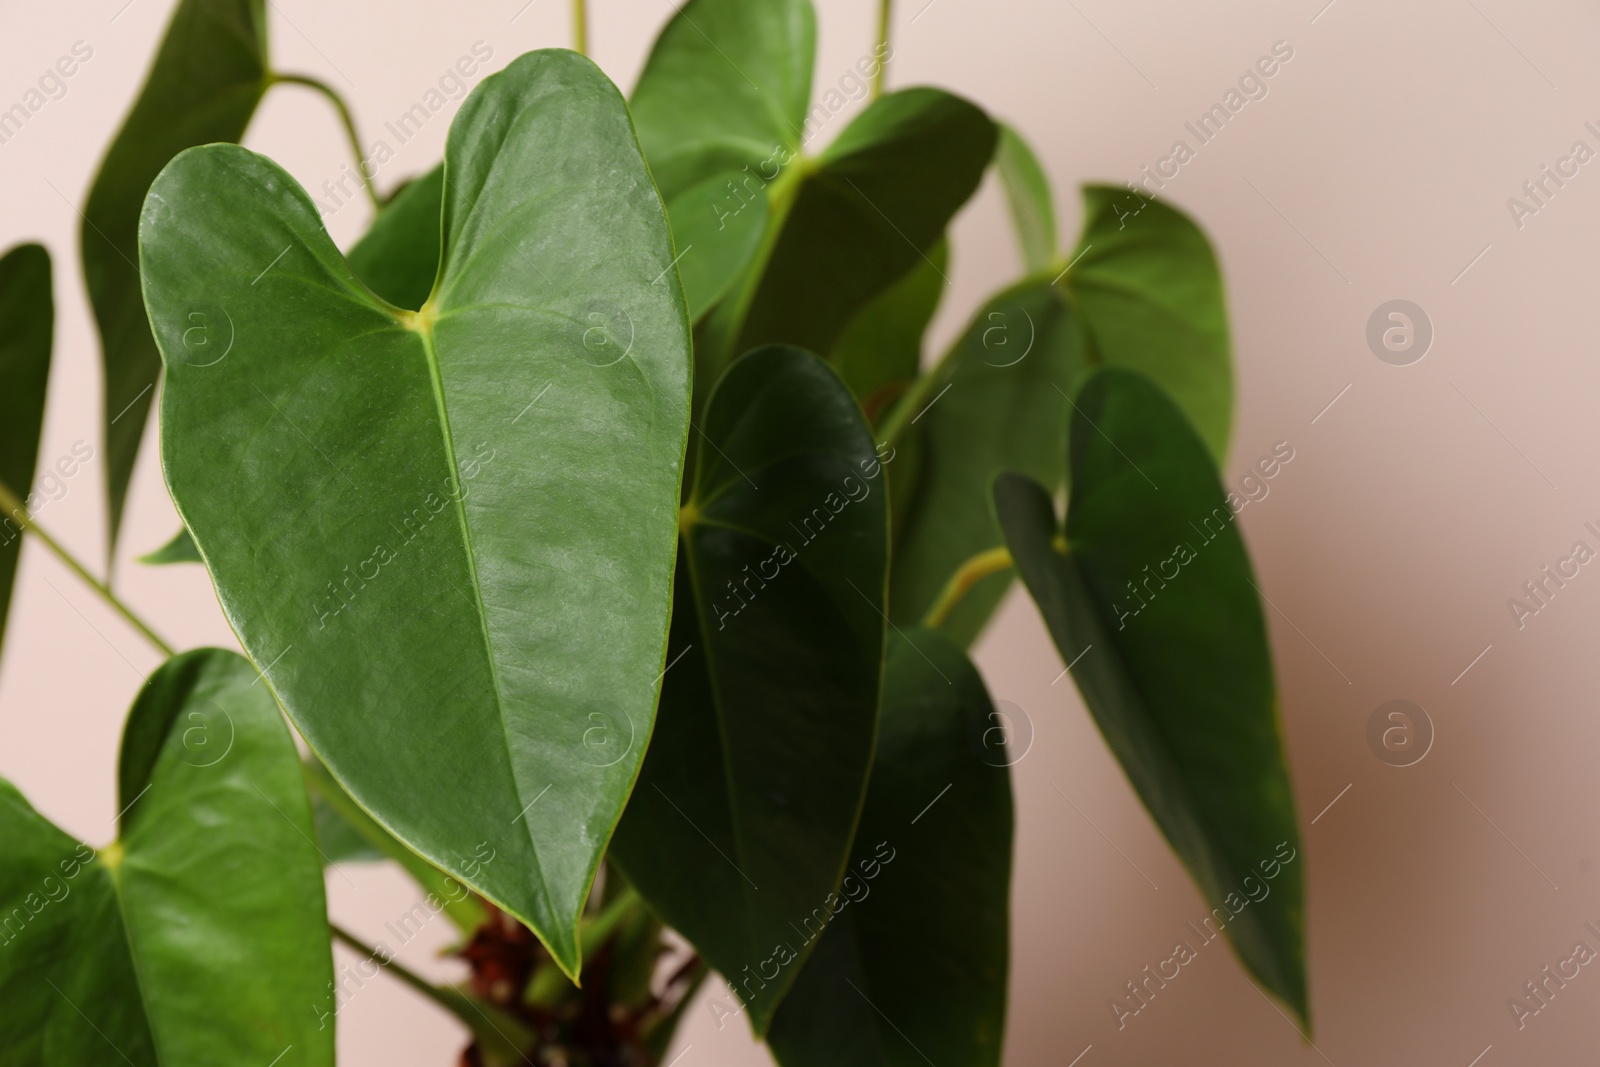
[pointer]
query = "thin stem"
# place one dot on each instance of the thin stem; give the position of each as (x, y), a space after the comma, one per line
(580, 27)
(16, 512)
(909, 407)
(885, 11)
(966, 576)
(345, 118)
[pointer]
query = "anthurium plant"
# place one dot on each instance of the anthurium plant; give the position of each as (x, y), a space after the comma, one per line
(604, 550)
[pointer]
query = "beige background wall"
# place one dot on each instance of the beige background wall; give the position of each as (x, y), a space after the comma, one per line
(1377, 167)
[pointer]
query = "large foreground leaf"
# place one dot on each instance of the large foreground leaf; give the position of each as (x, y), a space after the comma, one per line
(207, 79)
(27, 317)
(912, 957)
(200, 937)
(446, 536)
(1154, 605)
(743, 817)
(721, 111)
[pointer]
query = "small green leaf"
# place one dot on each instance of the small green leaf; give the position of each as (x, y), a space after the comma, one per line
(727, 82)
(912, 955)
(995, 403)
(1028, 195)
(446, 536)
(880, 351)
(201, 936)
(745, 810)
(208, 77)
(721, 111)
(1154, 605)
(1149, 290)
(398, 257)
(865, 212)
(27, 317)
(181, 549)
(347, 833)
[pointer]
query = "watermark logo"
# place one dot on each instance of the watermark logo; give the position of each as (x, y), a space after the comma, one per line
(608, 736)
(1002, 736)
(207, 336)
(1399, 332)
(208, 737)
(1399, 733)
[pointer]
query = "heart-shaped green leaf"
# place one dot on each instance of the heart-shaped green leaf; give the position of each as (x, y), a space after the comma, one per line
(912, 952)
(721, 111)
(1154, 606)
(1144, 292)
(200, 937)
(864, 213)
(447, 536)
(745, 811)
(27, 318)
(398, 257)
(207, 79)
(1033, 211)
(995, 403)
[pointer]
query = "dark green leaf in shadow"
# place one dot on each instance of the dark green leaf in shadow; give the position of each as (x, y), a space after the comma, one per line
(865, 212)
(446, 536)
(744, 813)
(27, 317)
(996, 402)
(208, 76)
(200, 937)
(911, 961)
(1154, 605)
(181, 549)
(1028, 195)
(880, 351)
(398, 256)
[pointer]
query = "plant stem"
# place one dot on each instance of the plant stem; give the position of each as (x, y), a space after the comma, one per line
(885, 11)
(580, 27)
(17, 512)
(966, 576)
(909, 407)
(345, 118)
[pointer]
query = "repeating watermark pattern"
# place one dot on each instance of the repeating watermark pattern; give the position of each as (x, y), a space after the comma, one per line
(1542, 989)
(1208, 529)
(1002, 736)
(852, 490)
(742, 193)
(51, 488)
(854, 889)
(1542, 187)
(1400, 733)
(50, 86)
(1208, 126)
(1141, 991)
(608, 737)
(1399, 332)
(53, 889)
(854, 84)
(208, 737)
(208, 336)
(1538, 592)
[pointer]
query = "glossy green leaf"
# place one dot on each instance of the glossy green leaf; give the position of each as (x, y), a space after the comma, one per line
(1033, 211)
(181, 549)
(864, 213)
(398, 256)
(1154, 605)
(911, 957)
(27, 318)
(727, 83)
(721, 112)
(446, 536)
(1149, 290)
(996, 402)
(348, 834)
(880, 351)
(207, 79)
(745, 810)
(200, 937)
